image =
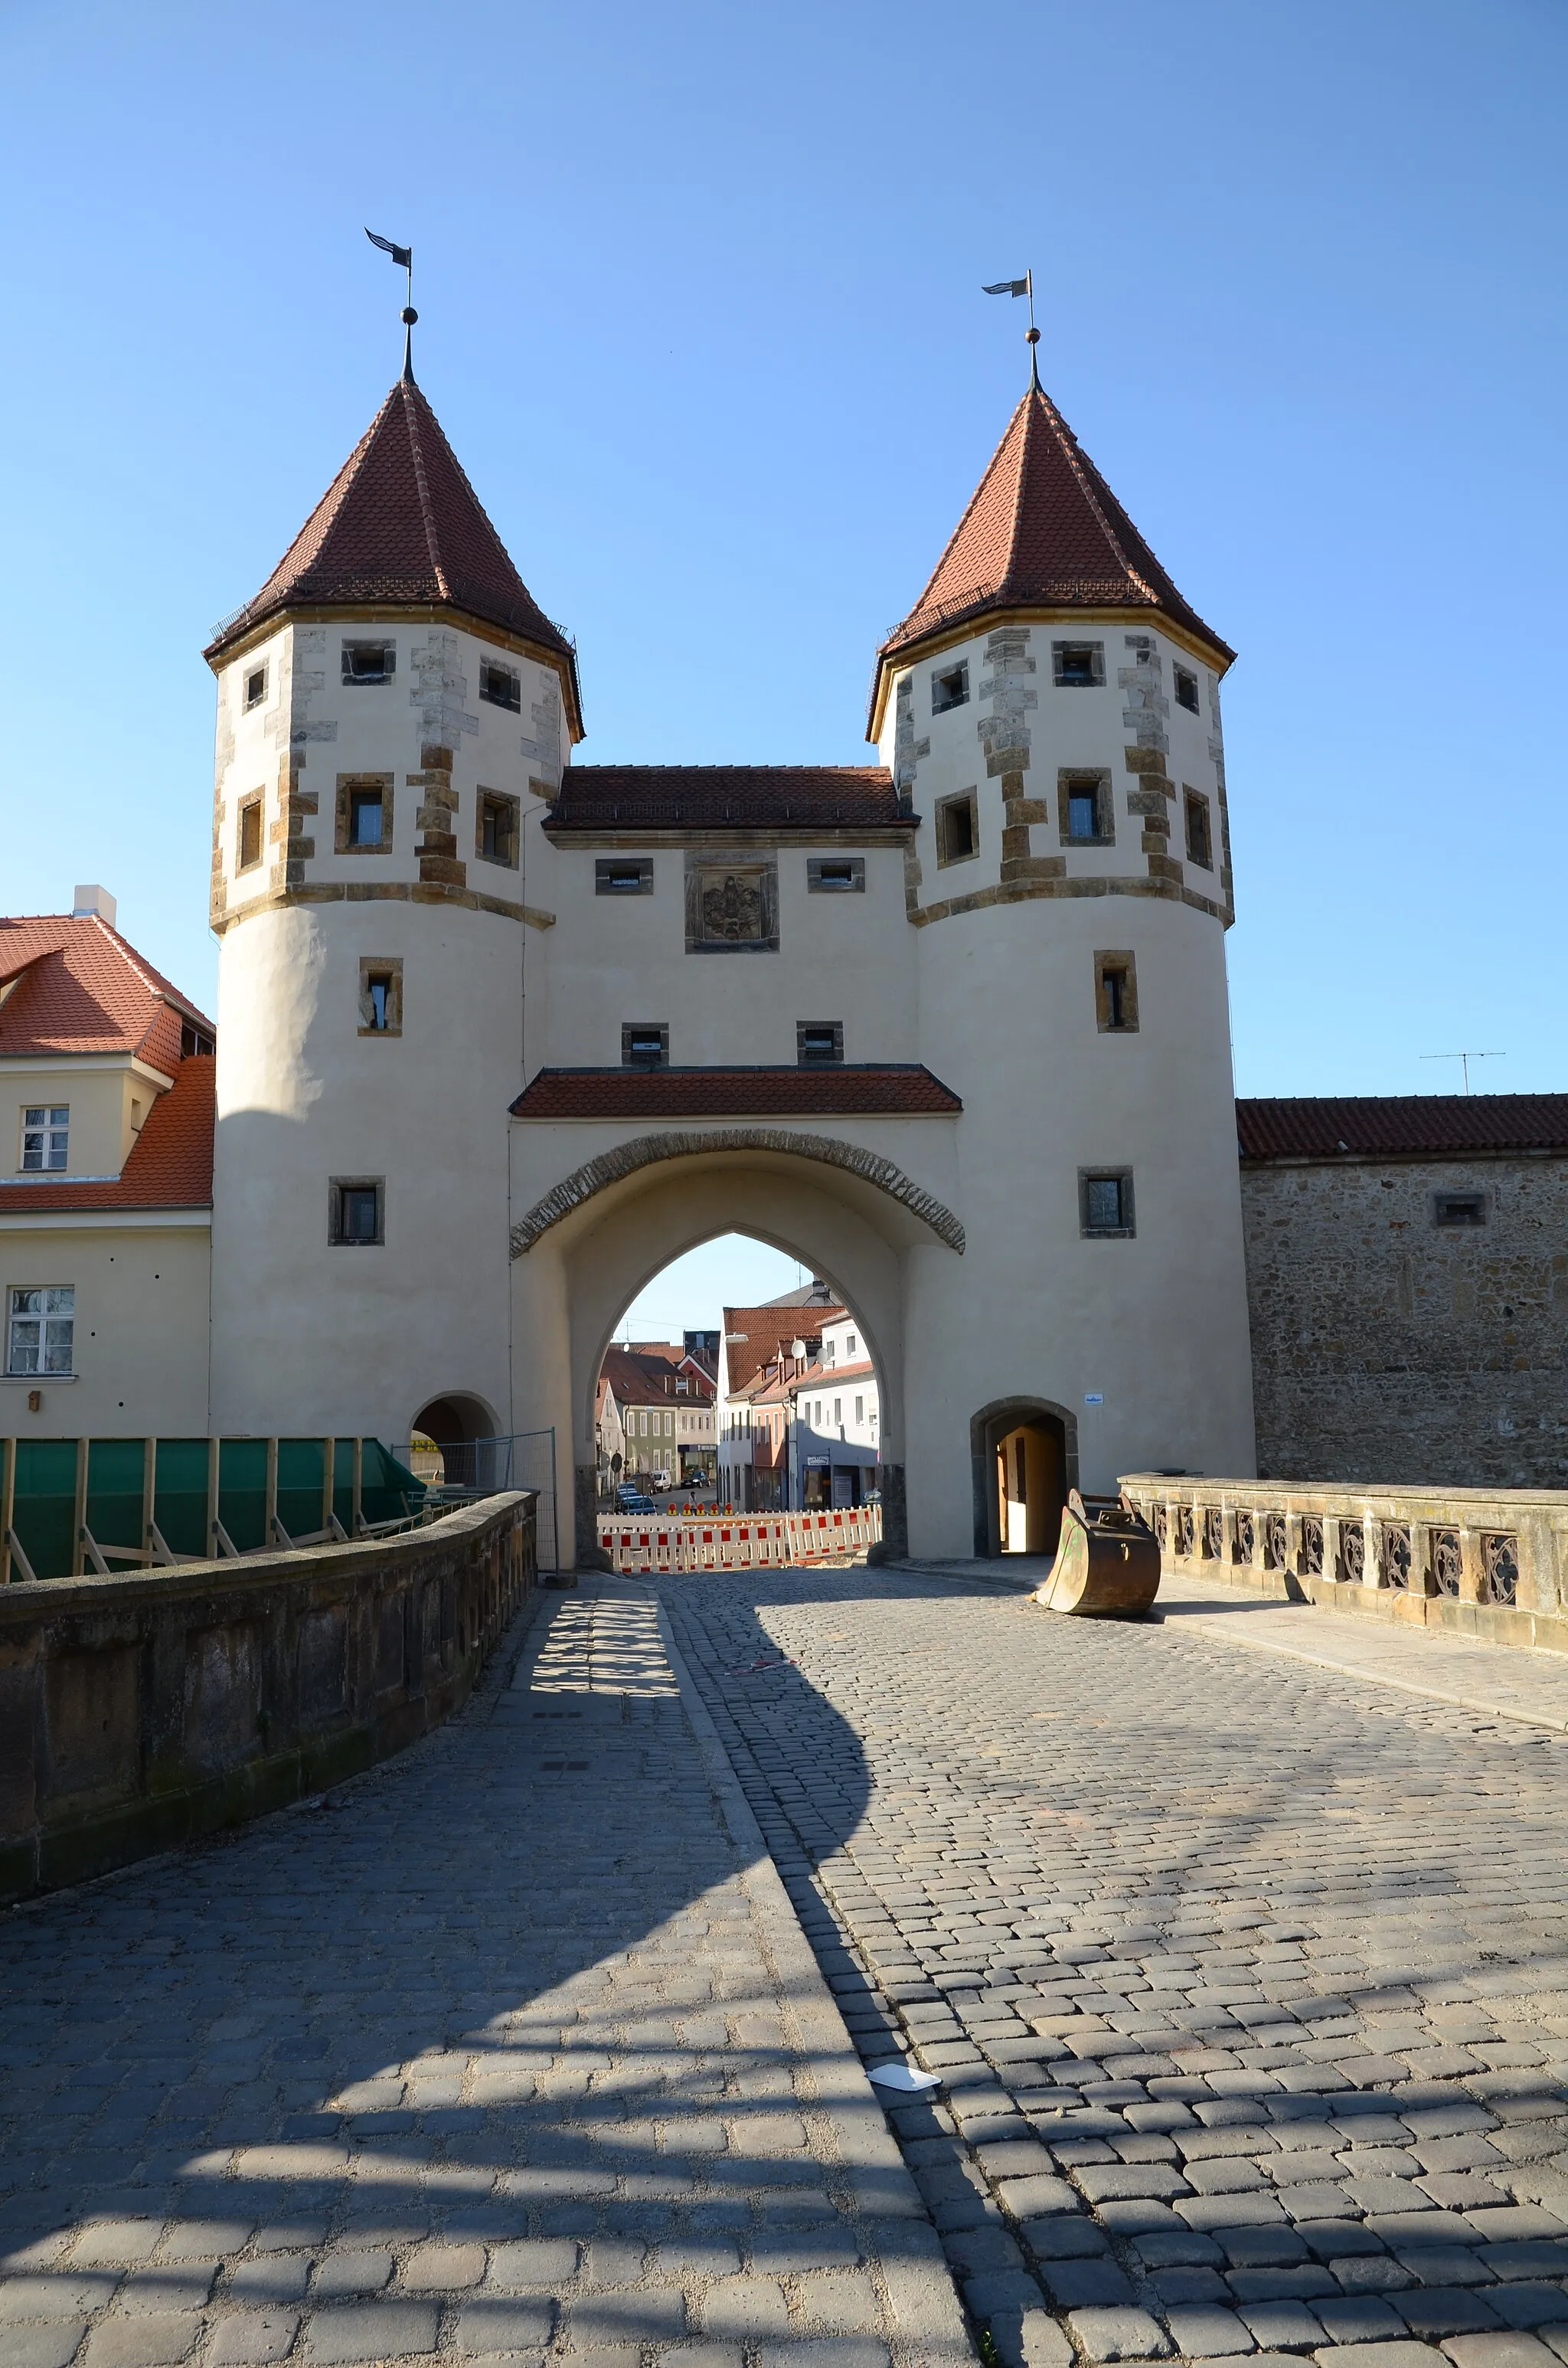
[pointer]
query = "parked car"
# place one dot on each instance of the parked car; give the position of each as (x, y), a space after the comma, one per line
(634, 1500)
(659, 1482)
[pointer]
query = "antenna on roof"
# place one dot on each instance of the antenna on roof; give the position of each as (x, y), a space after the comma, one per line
(1465, 1059)
(1024, 287)
(404, 258)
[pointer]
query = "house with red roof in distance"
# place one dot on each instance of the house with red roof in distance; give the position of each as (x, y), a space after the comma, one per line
(656, 1402)
(106, 1109)
(835, 1423)
(760, 1352)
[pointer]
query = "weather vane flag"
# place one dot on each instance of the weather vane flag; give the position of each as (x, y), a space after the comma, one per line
(404, 258)
(1024, 287)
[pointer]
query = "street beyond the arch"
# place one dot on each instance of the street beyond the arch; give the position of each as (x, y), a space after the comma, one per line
(1242, 1967)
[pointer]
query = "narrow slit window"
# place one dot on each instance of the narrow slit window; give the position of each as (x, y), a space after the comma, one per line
(380, 1000)
(1187, 690)
(250, 835)
(365, 811)
(1200, 841)
(1116, 991)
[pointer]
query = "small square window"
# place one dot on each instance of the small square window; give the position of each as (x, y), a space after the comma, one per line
(949, 687)
(380, 996)
(1077, 665)
(369, 661)
(41, 1329)
(1187, 690)
(819, 1043)
(644, 1045)
(365, 808)
(250, 835)
(46, 1135)
(502, 685)
(256, 687)
(1459, 1208)
(495, 840)
(835, 875)
(1200, 846)
(957, 829)
(1085, 809)
(623, 875)
(1105, 1200)
(356, 1212)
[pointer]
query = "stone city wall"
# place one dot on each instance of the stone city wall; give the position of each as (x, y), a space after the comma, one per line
(1390, 1350)
(137, 1712)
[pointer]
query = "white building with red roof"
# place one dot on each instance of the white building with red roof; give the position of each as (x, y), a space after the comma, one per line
(107, 1106)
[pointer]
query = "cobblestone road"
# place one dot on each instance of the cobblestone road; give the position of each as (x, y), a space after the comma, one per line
(1244, 1977)
(512, 2047)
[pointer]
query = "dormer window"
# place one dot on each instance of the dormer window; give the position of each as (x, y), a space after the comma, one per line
(46, 1135)
(1187, 690)
(949, 687)
(369, 661)
(502, 685)
(256, 687)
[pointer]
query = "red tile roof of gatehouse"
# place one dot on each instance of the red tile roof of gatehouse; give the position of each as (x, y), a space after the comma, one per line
(727, 797)
(1044, 530)
(890, 1090)
(80, 987)
(170, 1165)
(399, 525)
(1401, 1126)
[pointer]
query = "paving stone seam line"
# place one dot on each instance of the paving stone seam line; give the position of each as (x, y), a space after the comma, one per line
(733, 1792)
(860, 2135)
(1375, 1677)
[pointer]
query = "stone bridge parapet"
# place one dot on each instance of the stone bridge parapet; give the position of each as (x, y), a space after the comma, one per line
(139, 1712)
(1485, 1563)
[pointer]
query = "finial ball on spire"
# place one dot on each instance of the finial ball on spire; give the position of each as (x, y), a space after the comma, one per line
(1031, 336)
(408, 317)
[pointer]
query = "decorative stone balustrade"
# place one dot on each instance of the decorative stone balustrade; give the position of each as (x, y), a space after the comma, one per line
(1490, 1563)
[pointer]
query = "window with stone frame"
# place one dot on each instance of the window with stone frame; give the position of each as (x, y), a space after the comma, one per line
(1186, 689)
(495, 830)
(819, 1043)
(248, 846)
(500, 685)
(369, 662)
(255, 686)
(41, 1329)
(363, 823)
(957, 829)
(1200, 837)
(356, 1212)
(949, 687)
(731, 908)
(835, 875)
(1459, 1208)
(1077, 666)
(1086, 814)
(381, 995)
(1105, 1203)
(644, 1045)
(623, 875)
(1116, 993)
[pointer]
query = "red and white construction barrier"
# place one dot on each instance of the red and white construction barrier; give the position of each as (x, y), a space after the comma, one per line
(740, 1541)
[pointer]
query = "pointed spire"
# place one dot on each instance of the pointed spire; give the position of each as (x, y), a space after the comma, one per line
(399, 526)
(1044, 530)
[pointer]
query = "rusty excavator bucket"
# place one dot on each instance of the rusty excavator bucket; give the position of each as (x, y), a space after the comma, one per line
(1107, 1561)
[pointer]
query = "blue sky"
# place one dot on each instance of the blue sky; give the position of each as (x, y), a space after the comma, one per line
(700, 311)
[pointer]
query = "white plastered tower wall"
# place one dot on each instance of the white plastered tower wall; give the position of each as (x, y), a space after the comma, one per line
(390, 705)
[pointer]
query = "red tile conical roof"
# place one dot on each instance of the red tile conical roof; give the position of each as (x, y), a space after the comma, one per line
(1044, 530)
(399, 526)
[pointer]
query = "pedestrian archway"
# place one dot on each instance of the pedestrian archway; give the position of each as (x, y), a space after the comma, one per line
(1024, 1454)
(463, 1429)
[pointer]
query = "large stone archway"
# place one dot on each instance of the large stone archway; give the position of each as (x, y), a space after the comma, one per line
(583, 1250)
